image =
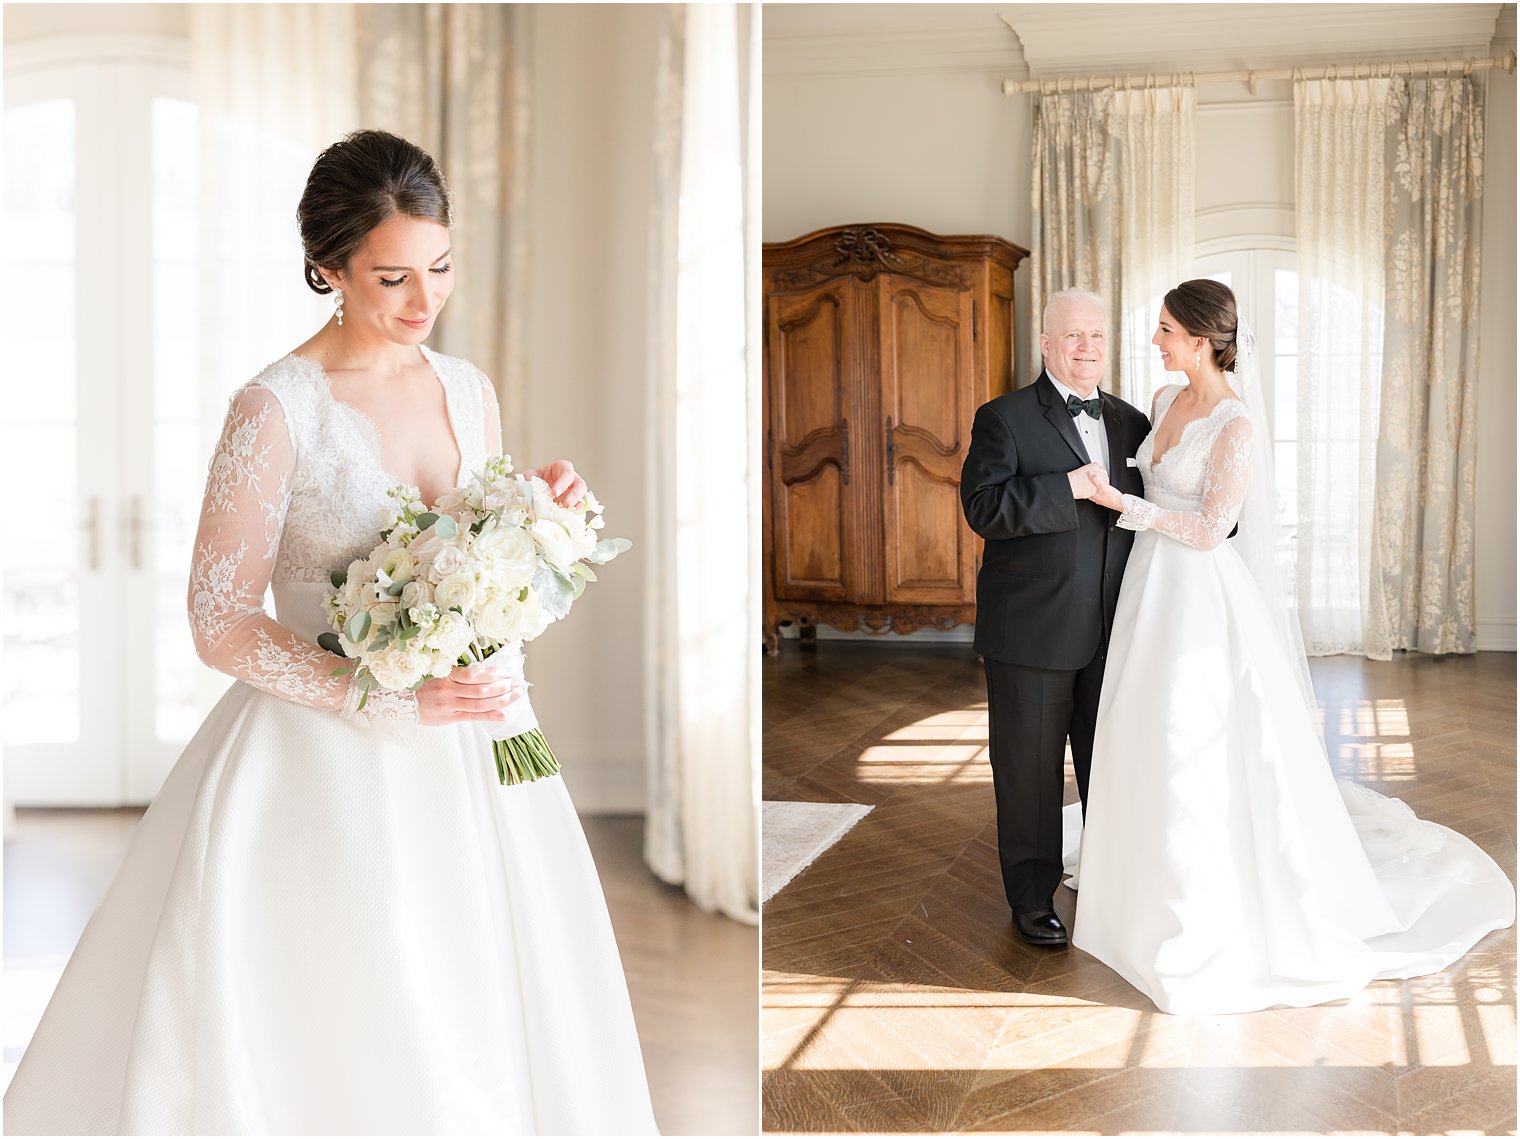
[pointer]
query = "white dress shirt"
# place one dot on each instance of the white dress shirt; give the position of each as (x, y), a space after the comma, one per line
(1094, 433)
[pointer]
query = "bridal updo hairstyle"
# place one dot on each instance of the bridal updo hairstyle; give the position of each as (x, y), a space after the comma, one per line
(361, 182)
(1207, 308)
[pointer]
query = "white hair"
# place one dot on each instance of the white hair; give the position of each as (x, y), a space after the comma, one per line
(1071, 294)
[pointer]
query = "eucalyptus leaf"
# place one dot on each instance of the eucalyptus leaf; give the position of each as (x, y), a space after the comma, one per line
(446, 527)
(340, 672)
(357, 627)
(339, 578)
(394, 588)
(581, 569)
(426, 520)
(578, 588)
(332, 644)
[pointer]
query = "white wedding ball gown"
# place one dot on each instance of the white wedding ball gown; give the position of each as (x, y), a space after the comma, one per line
(333, 921)
(1223, 868)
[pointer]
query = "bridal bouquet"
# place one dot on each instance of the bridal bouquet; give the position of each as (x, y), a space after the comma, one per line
(491, 566)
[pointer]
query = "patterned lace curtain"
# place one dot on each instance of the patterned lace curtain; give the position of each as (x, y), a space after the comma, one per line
(1422, 577)
(1112, 194)
(702, 677)
(453, 79)
(1340, 176)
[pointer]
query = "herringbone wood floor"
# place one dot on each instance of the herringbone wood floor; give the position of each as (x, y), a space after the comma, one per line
(896, 997)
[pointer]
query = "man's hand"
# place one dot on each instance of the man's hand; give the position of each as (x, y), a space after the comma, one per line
(1085, 480)
(1106, 493)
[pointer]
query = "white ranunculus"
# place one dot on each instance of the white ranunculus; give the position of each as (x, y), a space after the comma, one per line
(457, 591)
(398, 565)
(554, 542)
(415, 593)
(510, 555)
(535, 618)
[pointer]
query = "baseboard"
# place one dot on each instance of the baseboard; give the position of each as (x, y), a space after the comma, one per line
(1496, 636)
(960, 635)
(605, 786)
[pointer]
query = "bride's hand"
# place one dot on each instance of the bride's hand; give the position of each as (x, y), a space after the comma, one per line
(1105, 492)
(567, 487)
(467, 694)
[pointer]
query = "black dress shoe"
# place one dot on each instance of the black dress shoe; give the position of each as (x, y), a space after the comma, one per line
(1041, 927)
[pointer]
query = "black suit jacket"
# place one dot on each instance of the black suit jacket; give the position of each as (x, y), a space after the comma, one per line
(1049, 580)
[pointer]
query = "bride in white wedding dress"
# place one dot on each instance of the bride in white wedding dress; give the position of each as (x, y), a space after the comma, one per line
(335, 920)
(1222, 866)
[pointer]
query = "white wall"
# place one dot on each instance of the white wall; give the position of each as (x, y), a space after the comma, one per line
(590, 203)
(882, 113)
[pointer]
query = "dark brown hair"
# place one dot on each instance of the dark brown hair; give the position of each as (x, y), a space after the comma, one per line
(1207, 308)
(360, 182)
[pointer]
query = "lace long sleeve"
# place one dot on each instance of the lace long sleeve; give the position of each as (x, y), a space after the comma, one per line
(1224, 490)
(247, 494)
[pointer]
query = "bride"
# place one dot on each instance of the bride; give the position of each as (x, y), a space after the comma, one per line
(334, 919)
(1222, 866)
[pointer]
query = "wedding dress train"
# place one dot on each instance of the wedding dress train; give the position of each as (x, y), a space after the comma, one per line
(1222, 867)
(334, 920)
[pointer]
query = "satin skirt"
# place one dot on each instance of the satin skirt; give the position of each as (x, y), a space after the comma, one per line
(1223, 868)
(317, 930)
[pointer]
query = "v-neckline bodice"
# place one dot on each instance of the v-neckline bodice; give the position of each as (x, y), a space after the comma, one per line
(372, 430)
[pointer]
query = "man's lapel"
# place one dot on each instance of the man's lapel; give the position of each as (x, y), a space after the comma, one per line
(1057, 412)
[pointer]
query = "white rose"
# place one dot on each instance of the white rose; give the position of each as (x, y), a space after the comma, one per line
(554, 541)
(455, 591)
(510, 553)
(396, 668)
(415, 593)
(447, 561)
(425, 546)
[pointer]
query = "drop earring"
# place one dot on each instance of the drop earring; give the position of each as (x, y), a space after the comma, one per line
(338, 305)
(1197, 356)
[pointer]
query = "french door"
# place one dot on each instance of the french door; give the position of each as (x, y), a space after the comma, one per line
(102, 438)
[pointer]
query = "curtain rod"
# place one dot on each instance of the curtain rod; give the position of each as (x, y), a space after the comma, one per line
(1063, 84)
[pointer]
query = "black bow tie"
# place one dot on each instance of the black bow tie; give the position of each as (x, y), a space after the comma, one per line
(1093, 407)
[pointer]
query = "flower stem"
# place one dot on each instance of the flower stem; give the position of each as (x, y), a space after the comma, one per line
(524, 758)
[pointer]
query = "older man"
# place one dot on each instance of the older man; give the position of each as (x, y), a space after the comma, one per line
(1047, 588)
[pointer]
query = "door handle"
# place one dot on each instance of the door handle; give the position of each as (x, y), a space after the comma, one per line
(92, 532)
(134, 531)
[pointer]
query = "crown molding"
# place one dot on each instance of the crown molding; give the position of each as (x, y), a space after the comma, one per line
(889, 51)
(1227, 37)
(1037, 40)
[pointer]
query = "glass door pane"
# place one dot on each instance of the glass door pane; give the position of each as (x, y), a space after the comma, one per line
(39, 437)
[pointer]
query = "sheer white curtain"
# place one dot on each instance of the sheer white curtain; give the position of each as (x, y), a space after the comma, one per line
(1340, 191)
(704, 654)
(274, 84)
(1112, 193)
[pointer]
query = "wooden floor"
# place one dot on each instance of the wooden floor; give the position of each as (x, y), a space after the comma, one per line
(691, 975)
(896, 998)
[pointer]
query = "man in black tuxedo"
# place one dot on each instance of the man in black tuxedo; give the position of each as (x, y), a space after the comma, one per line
(1047, 588)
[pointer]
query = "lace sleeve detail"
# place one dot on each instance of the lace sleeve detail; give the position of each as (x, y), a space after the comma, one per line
(247, 495)
(492, 411)
(1224, 490)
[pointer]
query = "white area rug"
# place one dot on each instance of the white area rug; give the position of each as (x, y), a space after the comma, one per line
(793, 835)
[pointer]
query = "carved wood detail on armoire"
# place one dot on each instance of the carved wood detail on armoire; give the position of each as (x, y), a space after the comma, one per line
(881, 341)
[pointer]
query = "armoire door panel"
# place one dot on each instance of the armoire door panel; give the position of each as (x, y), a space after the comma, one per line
(809, 445)
(928, 397)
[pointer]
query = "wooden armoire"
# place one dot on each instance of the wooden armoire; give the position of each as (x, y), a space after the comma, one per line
(880, 343)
